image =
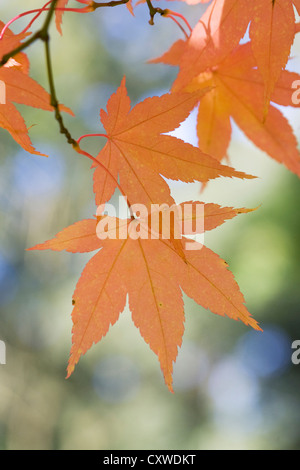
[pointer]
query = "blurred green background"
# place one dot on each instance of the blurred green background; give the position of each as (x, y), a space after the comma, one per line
(234, 388)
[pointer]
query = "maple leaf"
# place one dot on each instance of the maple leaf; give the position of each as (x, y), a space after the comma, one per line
(223, 25)
(20, 88)
(238, 92)
(138, 152)
(152, 274)
(59, 14)
(272, 33)
(216, 34)
(9, 40)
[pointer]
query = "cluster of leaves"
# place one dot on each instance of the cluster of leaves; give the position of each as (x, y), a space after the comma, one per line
(226, 76)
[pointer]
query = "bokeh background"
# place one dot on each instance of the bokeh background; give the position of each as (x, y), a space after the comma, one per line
(234, 388)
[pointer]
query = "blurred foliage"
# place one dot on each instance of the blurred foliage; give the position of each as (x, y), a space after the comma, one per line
(234, 388)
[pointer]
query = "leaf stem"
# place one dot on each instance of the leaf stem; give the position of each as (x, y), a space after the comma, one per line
(174, 13)
(36, 17)
(39, 11)
(178, 24)
(65, 131)
(86, 154)
(90, 135)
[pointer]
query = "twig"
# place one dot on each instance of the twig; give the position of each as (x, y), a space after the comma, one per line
(54, 101)
(153, 11)
(113, 3)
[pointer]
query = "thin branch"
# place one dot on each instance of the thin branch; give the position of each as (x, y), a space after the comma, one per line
(44, 36)
(54, 101)
(153, 11)
(18, 49)
(113, 3)
(62, 127)
(65, 131)
(40, 34)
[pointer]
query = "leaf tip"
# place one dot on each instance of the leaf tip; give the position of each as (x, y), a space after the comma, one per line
(169, 384)
(70, 370)
(35, 247)
(245, 211)
(254, 324)
(123, 81)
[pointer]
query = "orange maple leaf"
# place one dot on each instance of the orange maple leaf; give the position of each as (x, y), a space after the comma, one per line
(238, 91)
(272, 32)
(138, 150)
(216, 34)
(59, 14)
(223, 25)
(20, 88)
(152, 274)
(9, 40)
